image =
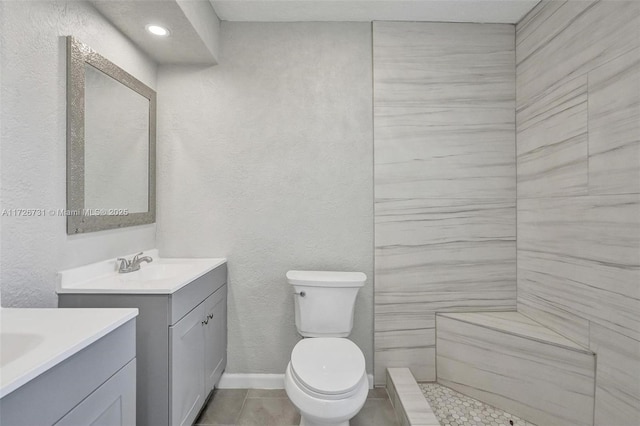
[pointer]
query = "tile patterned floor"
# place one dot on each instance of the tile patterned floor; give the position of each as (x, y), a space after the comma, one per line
(257, 407)
(455, 409)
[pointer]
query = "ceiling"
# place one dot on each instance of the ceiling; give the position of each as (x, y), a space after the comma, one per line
(493, 11)
(192, 24)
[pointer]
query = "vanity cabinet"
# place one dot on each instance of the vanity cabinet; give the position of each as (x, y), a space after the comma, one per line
(96, 386)
(181, 344)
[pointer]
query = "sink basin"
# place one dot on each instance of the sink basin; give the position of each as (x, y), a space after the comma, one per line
(15, 345)
(162, 276)
(154, 272)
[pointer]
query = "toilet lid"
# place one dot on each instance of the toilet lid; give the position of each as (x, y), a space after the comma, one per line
(328, 365)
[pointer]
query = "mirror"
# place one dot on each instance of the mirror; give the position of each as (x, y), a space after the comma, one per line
(110, 144)
(116, 131)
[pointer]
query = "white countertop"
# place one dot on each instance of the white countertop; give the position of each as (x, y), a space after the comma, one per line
(162, 276)
(34, 340)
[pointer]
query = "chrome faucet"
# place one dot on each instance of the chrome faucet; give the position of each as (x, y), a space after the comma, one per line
(132, 265)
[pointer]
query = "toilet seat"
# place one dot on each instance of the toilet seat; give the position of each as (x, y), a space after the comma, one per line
(330, 367)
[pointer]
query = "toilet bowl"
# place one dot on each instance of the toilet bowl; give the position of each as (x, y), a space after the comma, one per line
(326, 381)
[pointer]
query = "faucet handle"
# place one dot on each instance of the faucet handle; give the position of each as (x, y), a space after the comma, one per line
(124, 263)
(135, 258)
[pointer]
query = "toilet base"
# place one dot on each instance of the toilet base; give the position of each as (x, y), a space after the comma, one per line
(317, 411)
(307, 422)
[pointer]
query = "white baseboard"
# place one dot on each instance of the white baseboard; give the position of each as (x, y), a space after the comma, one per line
(251, 381)
(258, 381)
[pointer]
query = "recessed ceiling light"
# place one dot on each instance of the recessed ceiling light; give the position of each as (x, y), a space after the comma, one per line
(157, 30)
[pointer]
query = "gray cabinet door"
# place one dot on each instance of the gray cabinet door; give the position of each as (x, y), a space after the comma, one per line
(112, 404)
(186, 359)
(215, 337)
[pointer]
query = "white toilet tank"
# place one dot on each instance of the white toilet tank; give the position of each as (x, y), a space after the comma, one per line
(325, 301)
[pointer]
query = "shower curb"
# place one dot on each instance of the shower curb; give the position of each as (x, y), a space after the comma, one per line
(407, 399)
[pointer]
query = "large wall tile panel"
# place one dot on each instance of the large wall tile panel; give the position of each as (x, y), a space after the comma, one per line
(552, 142)
(543, 14)
(578, 37)
(446, 152)
(444, 171)
(614, 126)
(583, 255)
(579, 223)
(443, 64)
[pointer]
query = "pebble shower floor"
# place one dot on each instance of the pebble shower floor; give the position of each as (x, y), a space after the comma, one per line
(455, 409)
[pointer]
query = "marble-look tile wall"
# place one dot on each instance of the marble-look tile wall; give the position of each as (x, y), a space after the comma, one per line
(444, 167)
(578, 153)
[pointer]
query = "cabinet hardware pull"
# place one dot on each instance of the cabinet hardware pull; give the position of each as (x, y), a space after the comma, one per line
(210, 316)
(205, 322)
(301, 294)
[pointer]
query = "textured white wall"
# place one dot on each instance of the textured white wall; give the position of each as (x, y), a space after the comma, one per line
(267, 159)
(33, 144)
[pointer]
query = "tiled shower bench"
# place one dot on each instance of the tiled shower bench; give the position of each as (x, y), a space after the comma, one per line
(507, 360)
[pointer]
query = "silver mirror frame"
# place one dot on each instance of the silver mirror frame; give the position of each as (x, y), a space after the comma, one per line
(79, 54)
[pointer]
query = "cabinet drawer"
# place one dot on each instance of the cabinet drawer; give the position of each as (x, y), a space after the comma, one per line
(112, 404)
(191, 295)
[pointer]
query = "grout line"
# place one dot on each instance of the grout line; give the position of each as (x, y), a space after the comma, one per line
(435, 346)
(373, 196)
(267, 396)
(242, 407)
(595, 375)
(515, 141)
(588, 74)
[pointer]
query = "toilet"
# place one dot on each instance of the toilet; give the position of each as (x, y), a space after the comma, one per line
(326, 378)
